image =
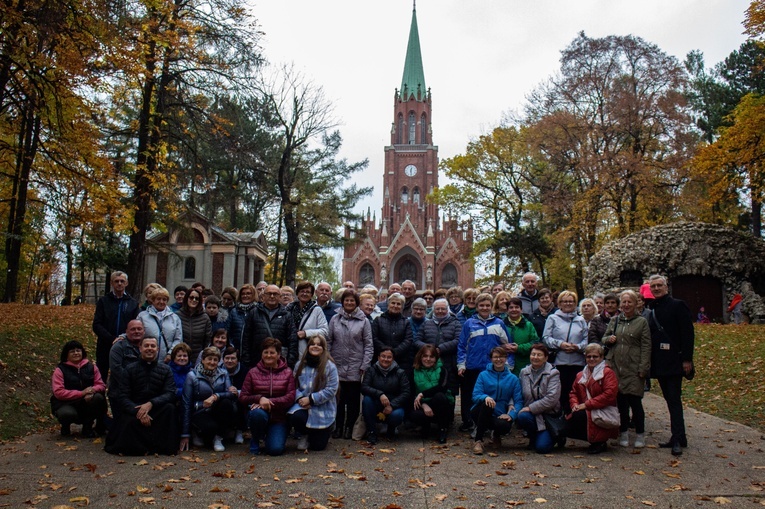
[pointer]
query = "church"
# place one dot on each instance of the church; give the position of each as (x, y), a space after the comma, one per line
(411, 241)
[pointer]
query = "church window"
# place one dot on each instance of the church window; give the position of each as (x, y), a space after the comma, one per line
(400, 128)
(404, 195)
(408, 271)
(190, 268)
(449, 276)
(366, 275)
(423, 129)
(416, 196)
(412, 128)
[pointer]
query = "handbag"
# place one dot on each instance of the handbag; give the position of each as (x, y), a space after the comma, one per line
(607, 417)
(359, 429)
(556, 425)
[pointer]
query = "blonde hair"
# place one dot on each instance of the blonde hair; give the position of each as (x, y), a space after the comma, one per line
(567, 293)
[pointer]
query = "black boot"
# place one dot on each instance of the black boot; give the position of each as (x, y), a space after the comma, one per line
(338, 432)
(372, 437)
(348, 433)
(65, 430)
(442, 434)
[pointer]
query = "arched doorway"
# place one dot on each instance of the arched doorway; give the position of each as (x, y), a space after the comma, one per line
(407, 265)
(699, 291)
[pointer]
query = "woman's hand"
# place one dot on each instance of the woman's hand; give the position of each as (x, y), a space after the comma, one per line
(387, 410)
(505, 417)
(461, 372)
(384, 401)
(611, 339)
(580, 406)
(525, 409)
(304, 402)
(184, 444)
(233, 390)
(417, 401)
(428, 411)
(210, 401)
(265, 404)
(512, 347)
(490, 402)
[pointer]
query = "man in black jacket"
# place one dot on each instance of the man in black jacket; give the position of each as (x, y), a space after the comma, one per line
(269, 319)
(146, 397)
(113, 312)
(672, 337)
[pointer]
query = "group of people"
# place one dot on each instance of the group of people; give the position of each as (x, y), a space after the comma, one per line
(267, 360)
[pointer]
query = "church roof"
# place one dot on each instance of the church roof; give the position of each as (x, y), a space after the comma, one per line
(413, 80)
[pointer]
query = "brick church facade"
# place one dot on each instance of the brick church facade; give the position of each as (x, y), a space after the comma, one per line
(411, 241)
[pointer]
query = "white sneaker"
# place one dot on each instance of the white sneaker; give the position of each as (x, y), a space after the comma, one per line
(218, 444)
(639, 440)
(238, 438)
(302, 443)
(624, 439)
(197, 441)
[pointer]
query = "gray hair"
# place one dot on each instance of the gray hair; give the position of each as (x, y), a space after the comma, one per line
(116, 274)
(594, 347)
(441, 300)
(398, 298)
(654, 277)
(591, 301)
(536, 278)
(419, 301)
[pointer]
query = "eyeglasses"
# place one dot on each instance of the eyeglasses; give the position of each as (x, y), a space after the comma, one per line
(193, 298)
(592, 356)
(272, 293)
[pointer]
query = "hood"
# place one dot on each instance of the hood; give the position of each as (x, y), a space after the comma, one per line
(356, 314)
(393, 367)
(566, 316)
(281, 366)
(78, 365)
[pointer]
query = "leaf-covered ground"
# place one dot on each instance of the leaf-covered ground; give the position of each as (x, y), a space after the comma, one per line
(730, 359)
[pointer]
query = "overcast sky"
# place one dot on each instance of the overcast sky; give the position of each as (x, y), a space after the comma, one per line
(481, 57)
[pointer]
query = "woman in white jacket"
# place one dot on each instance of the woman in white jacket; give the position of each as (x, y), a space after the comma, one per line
(159, 321)
(308, 317)
(565, 333)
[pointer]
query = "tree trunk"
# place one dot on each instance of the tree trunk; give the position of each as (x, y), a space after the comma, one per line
(293, 245)
(756, 218)
(69, 271)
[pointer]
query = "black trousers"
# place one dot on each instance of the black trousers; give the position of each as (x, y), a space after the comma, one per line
(672, 388)
(625, 402)
(81, 411)
(219, 419)
(485, 420)
(317, 438)
(348, 404)
(567, 377)
(443, 412)
(467, 383)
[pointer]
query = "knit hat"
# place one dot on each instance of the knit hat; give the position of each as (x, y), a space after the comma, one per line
(645, 291)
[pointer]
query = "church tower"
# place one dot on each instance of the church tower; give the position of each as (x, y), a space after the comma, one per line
(410, 242)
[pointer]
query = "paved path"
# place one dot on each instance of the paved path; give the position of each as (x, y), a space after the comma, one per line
(723, 465)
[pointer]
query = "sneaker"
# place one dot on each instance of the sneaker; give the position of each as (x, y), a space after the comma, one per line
(196, 440)
(473, 433)
(466, 427)
(478, 448)
(624, 439)
(254, 446)
(372, 438)
(238, 438)
(218, 444)
(639, 440)
(302, 443)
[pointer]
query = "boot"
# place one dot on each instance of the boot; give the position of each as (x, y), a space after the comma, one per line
(624, 439)
(442, 434)
(348, 434)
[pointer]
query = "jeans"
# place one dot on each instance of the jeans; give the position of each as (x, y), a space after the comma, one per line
(542, 440)
(274, 434)
(370, 407)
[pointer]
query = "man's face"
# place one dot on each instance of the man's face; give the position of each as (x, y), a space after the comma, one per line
(323, 293)
(349, 285)
(148, 349)
(118, 285)
(394, 288)
(271, 296)
(260, 288)
(529, 284)
(497, 288)
(408, 289)
(658, 288)
(134, 331)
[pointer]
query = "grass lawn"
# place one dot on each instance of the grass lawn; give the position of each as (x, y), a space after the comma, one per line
(729, 383)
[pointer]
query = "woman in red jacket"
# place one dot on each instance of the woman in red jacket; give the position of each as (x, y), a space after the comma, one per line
(78, 390)
(601, 383)
(269, 391)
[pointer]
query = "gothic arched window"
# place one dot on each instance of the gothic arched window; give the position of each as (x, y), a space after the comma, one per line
(400, 128)
(366, 275)
(423, 129)
(449, 276)
(404, 195)
(412, 128)
(416, 196)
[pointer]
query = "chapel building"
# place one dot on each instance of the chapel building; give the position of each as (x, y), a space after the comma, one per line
(411, 241)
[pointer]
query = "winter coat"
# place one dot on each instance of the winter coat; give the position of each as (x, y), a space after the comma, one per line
(180, 373)
(569, 328)
(597, 327)
(168, 330)
(277, 384)
(122, 354)
(330, 309)
(314, 323)
(538, 320)
(238, 376)
(444, 335)
(529, 303)
(603, 393)
(69, 380)
(431, 381)
(394, 383)
(260, 325)
(197, 330)
(524, 335)
(630, 356)
(501, 386)
(350, 344)
(198, 388)
(112, 315)
(466, 313)
(477, 338)
(146, 381)
(394, 331)
(235, 325)
(321, 413)
(675, 318)
(541, 392)
(416, 325)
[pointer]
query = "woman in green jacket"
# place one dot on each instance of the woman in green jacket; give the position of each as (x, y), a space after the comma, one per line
(433, 402)
(523, 333)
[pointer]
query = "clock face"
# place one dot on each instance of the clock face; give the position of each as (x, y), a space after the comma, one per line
(410, 170)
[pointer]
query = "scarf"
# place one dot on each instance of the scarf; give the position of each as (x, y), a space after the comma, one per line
(299, 312)
(312, 360)
(245, 308)
(596, 373)
(165, 312)
(207, 374)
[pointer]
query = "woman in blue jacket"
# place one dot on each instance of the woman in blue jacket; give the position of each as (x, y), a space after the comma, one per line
(497, 398)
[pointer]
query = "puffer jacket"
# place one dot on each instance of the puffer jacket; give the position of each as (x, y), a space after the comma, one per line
(260, 325)
(394, 331)
(168, 330)
(394, 383)
(277, 384)
(235, 324)
(569, 328)
(501, 386)
(196, 389)
(146, 381)
(122, 354)
(477, 338)
(524, 335)
(541, 392)
(603, 393)
(321, 413)
(350, 344)
(630, 356)
(69, 380)
(444, 335)
(597, 327)
(197, 330)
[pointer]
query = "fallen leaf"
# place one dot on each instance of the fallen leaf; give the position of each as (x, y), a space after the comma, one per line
(80, 501)
(540, 500)
(721, 500)
(147, 500)
(639, 472)
(142, 462)
(648, 502)
(387, 451)
(441, 498)
(480, 483)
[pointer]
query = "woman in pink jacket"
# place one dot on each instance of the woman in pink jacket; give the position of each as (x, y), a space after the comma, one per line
(78, 390)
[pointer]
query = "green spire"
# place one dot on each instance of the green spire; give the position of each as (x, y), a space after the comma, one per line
(413, 81)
